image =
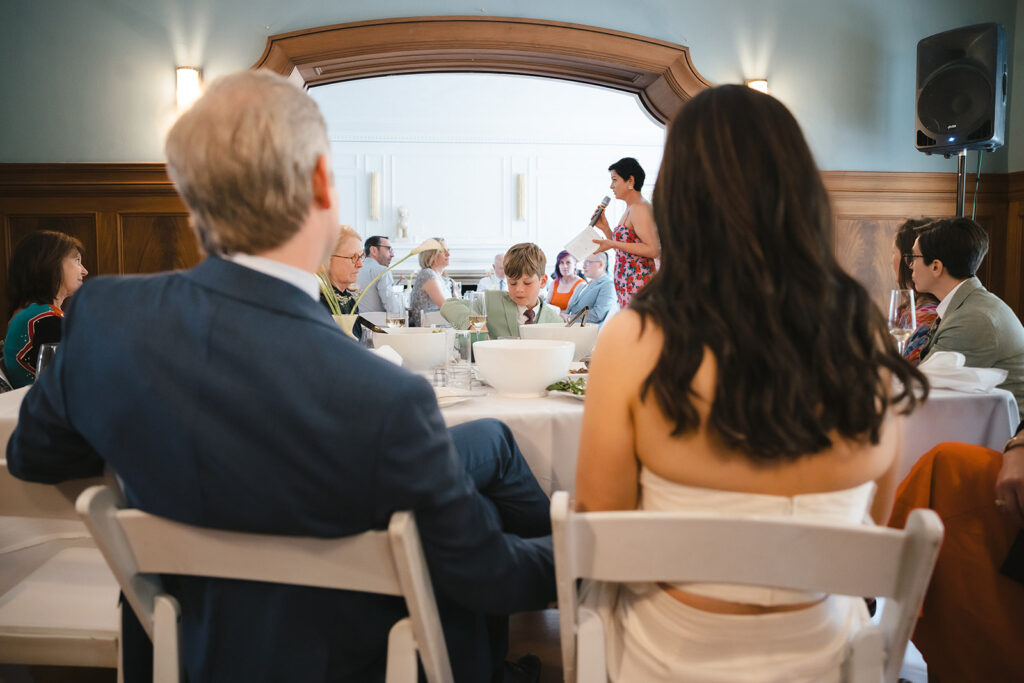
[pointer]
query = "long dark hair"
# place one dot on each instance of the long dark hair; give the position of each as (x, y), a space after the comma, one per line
(36, 271)
(749, 274)
(905, 236)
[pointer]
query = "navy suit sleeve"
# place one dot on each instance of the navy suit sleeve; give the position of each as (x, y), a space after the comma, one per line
(470, 559)
(45, 447)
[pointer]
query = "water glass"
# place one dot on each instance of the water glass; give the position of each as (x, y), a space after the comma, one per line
(902, 316)
(456, 289)
(47, 352)
(396, 311)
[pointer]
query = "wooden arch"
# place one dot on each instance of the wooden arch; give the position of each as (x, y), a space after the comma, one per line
(659, 73)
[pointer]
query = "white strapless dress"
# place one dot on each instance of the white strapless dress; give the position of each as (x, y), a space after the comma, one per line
(651, 637)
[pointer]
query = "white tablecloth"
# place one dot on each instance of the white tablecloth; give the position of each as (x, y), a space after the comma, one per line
(10, 404)
(980, 419)
(548, 429)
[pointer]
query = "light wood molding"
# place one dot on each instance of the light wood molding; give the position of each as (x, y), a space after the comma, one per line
(661, 74)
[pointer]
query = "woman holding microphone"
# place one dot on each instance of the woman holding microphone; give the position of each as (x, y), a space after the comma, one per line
(635, 239)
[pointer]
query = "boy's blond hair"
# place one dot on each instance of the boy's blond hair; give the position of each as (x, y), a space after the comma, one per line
(525, 258)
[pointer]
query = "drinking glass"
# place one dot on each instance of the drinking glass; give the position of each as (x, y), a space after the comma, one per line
(477, 310)
(902, 316)
(459, 369)
(47, 352)
(395, 307)
(456, 289)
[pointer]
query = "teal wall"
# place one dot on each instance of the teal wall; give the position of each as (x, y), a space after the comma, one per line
(93, 80)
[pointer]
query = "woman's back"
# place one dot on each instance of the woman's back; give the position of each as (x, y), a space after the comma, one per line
(699, 458)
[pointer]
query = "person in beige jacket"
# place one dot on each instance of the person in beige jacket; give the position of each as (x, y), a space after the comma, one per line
(972, 320)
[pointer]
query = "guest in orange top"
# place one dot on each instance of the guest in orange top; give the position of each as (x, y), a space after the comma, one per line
(564, 281)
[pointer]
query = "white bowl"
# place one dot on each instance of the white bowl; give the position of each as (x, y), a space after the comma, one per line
(522, 368)
(583, 337)
(421, 349)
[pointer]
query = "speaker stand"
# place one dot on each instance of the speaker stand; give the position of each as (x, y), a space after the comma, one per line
(961, 182)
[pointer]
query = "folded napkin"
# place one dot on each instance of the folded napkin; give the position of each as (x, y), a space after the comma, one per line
(389, 353)
(945, 370)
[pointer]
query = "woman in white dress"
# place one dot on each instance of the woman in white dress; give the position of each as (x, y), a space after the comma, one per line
(757, 379)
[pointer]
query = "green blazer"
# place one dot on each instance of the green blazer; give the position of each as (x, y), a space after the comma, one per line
(981, 326)
(502, 314)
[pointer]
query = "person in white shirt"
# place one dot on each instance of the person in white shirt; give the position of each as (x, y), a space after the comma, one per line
(495, 279)
(379, 252)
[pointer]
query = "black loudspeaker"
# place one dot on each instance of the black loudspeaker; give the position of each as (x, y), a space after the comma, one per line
(961, 90)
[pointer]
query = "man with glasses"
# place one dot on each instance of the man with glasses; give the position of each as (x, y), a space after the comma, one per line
(972, 320)
(599, 294)
(379, 254)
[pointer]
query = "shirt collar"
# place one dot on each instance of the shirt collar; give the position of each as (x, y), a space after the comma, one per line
(297, 277)
(944, 304)
(522, 311)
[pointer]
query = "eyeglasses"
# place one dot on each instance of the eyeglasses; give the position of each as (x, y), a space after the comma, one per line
(354, 258)
(386, 247)
(909, 259)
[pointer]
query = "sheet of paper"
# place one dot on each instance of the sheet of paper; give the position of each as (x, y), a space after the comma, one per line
(582, 245)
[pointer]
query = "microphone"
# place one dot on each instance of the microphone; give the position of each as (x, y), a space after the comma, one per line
(597, 214)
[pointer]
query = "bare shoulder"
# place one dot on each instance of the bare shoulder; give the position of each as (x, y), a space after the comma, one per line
(627, 335)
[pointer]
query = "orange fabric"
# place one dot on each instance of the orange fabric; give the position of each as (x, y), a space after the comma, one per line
(971, 626)
(561, 299)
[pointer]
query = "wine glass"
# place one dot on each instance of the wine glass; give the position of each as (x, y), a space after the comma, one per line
(902, 316)
(477, 310)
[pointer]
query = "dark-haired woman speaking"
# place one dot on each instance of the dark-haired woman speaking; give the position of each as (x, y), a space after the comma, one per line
(46, 268)
(635, 239)
(741, 395)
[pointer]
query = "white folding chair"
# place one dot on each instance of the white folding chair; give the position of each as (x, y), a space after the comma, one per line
(58, 599)
(768, 551)
(139, 547)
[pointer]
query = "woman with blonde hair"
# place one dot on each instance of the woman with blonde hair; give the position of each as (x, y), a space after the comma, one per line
(431, 287)
(759, 381)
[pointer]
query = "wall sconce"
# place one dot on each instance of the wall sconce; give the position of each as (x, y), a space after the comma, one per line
(758, 84)
(188, 86)
(520, 196)
(375, 196)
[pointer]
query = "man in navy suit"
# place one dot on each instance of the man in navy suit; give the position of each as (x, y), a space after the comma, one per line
(225, 396)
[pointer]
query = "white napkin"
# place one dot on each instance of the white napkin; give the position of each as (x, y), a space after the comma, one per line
(389, 353)
(945, 370)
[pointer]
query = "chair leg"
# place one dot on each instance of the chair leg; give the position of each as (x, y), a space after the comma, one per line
(591, 664)
(166, 640)
(401, 666)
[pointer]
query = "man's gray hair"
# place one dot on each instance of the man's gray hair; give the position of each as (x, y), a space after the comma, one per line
(242, 158)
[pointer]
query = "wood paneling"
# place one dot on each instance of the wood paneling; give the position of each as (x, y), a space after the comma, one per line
(661, 74)
(128, 216)
(131, 221)
(155, 242)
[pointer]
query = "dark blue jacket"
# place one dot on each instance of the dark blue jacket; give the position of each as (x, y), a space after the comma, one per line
(227, 398)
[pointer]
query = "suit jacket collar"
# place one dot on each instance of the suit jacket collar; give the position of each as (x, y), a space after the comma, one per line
(969, 286)
(253, 287)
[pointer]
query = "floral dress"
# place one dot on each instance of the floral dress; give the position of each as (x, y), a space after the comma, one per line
(631, 272)
(926, 315)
